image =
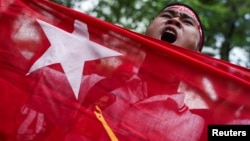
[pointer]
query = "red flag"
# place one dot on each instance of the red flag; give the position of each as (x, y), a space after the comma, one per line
(68, 76)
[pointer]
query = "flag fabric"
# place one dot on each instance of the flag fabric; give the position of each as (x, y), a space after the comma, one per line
(68, 76)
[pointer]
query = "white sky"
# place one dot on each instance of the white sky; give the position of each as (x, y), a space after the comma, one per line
(87, 5)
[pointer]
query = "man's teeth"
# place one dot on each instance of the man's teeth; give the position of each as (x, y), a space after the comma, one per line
(170, 31)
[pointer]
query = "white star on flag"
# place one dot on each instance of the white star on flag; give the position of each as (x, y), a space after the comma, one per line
(71, 50)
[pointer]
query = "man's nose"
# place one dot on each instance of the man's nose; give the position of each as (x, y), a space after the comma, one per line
(174, 21)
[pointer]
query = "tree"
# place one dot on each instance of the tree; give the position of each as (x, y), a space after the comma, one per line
(226, 22)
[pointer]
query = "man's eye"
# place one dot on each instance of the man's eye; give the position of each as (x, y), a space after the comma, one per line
(166, 16)
(188, 22)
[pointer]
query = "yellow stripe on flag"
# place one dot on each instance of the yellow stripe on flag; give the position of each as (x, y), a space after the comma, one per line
(100, 117)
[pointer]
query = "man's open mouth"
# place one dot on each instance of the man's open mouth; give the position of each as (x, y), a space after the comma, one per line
(169, 36)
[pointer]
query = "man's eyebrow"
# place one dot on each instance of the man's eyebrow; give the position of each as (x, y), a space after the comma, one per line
(186, 16)
(169, 11)
(183, 15)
